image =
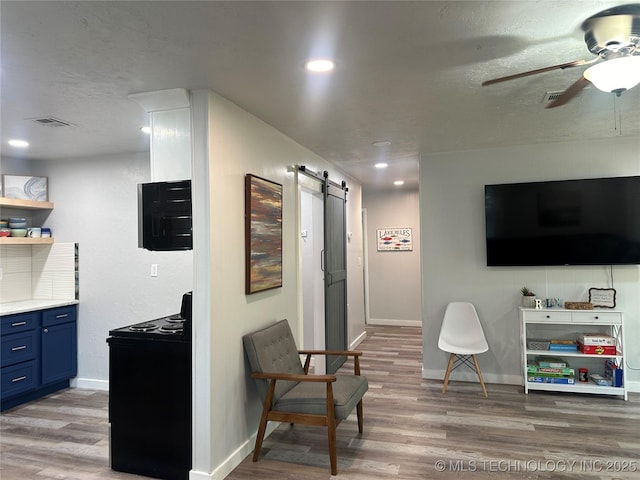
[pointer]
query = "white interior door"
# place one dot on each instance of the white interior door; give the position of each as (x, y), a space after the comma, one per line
(312, 244)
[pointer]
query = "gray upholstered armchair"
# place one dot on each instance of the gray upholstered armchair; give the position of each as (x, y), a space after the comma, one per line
(291, 395)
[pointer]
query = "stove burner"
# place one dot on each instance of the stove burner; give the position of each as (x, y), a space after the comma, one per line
(143, 327)
(175, 318)
(171, 328)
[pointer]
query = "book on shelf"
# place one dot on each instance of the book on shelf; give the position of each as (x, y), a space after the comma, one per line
(600, 380)
(598, 349)
(596, 339)
(551, 362)
(556, 380)
(550, 371)
(564, 347)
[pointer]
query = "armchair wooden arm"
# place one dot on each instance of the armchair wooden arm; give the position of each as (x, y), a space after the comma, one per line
(294, 377)
(352, 353)
(347, 353)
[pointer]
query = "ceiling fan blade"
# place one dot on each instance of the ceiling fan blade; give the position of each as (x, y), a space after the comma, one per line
(561, 66)
(570, 92)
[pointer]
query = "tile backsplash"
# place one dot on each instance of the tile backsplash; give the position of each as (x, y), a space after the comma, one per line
(41, 272)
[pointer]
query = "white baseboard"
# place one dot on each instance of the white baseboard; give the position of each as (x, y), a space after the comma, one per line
(472, 377)
(359, 339)
(633, 387)
(233, 460)
(394, 322)
(90, 384)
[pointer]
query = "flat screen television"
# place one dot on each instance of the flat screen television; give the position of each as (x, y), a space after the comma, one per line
(569, 222)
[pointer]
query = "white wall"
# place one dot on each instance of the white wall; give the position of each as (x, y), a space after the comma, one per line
(394, 276)
(95, 205)
(235, 143)
(453, 247)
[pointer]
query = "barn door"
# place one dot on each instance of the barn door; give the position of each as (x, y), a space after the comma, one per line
(335, 278)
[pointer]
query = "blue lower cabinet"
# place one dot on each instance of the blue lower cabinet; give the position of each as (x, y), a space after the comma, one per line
(19, 378)
(39, 354)
(59, 352)
(18, 347)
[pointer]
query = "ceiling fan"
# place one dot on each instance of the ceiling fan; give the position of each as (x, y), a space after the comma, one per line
(613, 35)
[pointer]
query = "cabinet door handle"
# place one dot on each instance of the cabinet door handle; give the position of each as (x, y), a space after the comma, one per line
(18, 379)
(46, 330)
(548, 316)
(596, 317)
(64, 315)
(18, 324)
(21, 347)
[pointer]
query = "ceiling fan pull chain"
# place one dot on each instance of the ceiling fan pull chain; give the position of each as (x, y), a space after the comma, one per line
(617, 117)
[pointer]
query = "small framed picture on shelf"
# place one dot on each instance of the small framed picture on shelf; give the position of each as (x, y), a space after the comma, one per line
(602, 297)
(25, 187)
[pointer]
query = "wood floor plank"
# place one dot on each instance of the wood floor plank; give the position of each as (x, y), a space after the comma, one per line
(411, 431)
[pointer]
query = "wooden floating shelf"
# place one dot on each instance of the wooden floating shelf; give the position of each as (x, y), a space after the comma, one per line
(28, 204)
(25, 241)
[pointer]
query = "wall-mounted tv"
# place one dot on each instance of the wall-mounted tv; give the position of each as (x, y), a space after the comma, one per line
(569, 222)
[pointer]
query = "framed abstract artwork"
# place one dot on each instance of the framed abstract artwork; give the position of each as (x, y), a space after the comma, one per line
(25, 187)
(263, 234)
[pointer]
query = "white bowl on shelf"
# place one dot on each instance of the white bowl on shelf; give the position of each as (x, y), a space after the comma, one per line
(18, 232)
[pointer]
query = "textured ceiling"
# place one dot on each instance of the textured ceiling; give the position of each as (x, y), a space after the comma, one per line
(407, 72)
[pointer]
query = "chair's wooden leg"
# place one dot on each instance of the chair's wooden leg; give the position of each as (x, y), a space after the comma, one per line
(448, 372)
(475, 362)
(263, 420)
(333, 457)
(360, 417)
(331, 430)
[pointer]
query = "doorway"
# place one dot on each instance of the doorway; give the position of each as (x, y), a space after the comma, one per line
(312, 246)
(324, 267)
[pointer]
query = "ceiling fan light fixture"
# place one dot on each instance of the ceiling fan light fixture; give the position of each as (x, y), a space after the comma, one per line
(616, 75)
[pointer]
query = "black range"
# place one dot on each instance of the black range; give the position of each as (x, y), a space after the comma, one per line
(150, 397)
(172, 327)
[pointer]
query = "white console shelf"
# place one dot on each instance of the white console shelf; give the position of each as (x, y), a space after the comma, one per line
(566, 324)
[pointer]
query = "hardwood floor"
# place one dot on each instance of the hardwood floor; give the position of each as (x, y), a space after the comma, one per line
(411, 431)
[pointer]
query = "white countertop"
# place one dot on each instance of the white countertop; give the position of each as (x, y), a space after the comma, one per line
(31, 305)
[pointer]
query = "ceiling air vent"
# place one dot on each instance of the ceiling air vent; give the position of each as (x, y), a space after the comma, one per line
(51, 122)
(551, 96)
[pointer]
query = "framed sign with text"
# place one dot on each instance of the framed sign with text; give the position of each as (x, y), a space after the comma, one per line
(394, 239)
(602, 297)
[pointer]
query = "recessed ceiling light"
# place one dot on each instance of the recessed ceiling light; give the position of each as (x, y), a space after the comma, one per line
(381, 165)
(18, 143)
(384, 143)
(320, 65)
(146, 130)
(399, 182)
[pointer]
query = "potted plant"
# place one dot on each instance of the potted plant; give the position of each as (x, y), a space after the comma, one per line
(528, 298)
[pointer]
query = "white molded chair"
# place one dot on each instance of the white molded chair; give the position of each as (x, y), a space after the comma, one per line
(462, 336)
